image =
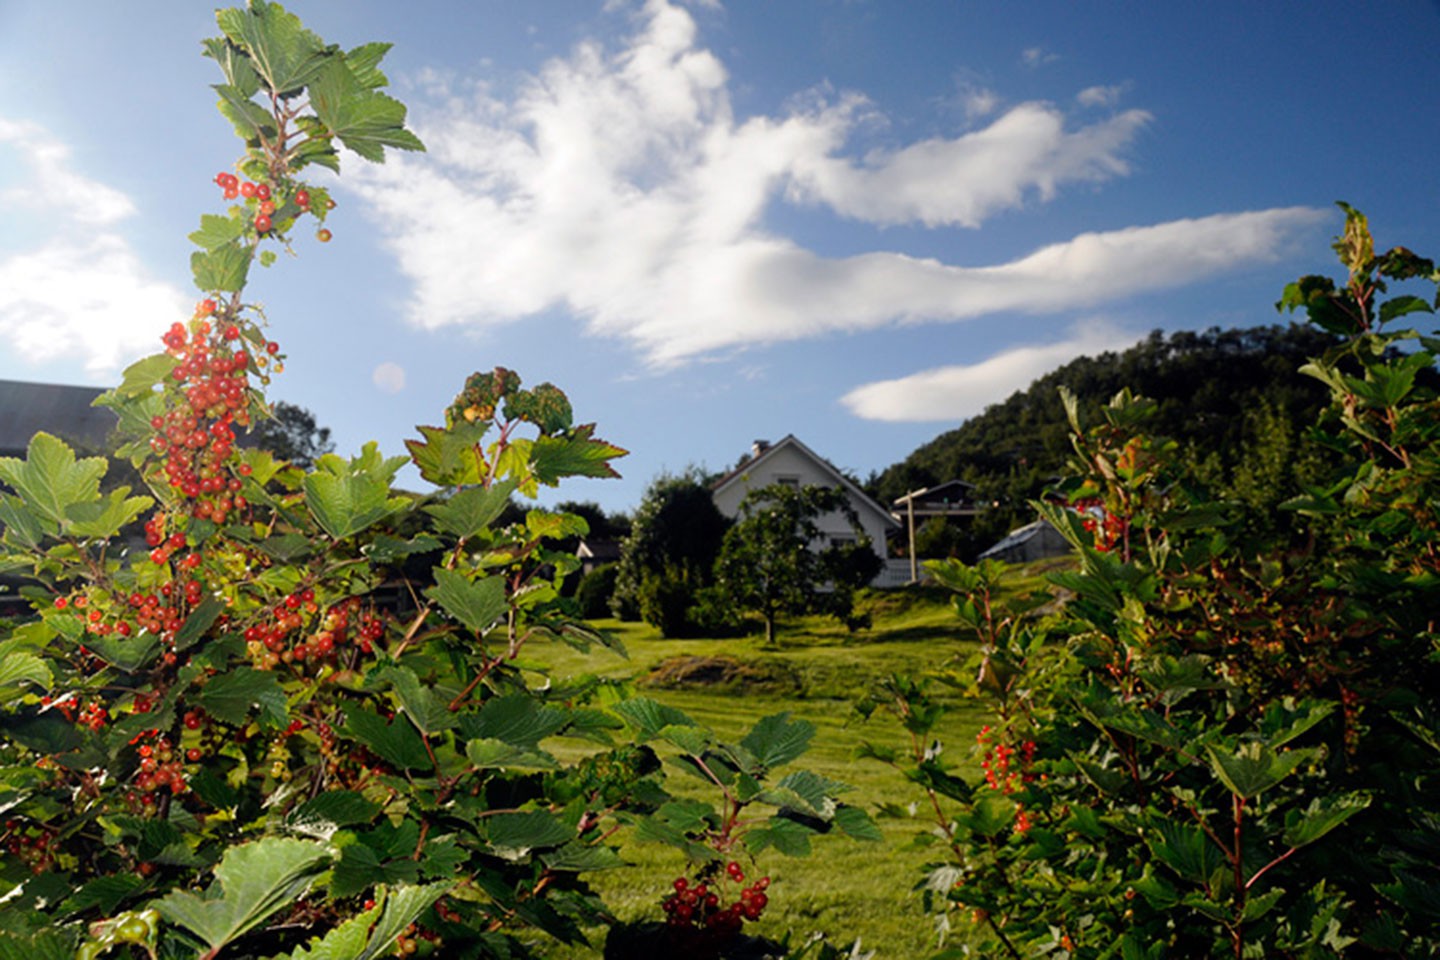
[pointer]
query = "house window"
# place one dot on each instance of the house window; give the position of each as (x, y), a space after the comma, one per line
(842, 541)
(788, 480)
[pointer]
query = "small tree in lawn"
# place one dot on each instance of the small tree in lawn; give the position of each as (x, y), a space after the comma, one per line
(768, 562)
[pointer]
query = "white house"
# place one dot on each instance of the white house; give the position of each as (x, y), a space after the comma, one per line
(791, 462)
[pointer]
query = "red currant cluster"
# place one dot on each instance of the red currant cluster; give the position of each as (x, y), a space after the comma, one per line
(1002, 772)
(161, 767)
(30, 845)
(261, 196)
(197, 436)
(92, 714)
(698, 906)
(269, 642)
(1107, 528)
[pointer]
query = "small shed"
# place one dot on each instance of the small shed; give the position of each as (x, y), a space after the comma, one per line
(1034, 541)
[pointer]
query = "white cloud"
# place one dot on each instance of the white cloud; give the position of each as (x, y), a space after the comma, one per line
(1099, 96)
(978, 102)
(619, 186)
(83, 291)
(1037, 56)
(389, 377)
(954, 393)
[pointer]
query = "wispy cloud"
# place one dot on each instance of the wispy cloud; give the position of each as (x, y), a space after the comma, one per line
(953, 393)
(619, 185)
(1037, 57)
(1099, 96)
(83, 290)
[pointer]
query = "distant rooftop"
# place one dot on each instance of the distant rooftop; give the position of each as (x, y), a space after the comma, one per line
(65, 411)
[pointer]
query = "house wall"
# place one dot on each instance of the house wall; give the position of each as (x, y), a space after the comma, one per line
(790, 464)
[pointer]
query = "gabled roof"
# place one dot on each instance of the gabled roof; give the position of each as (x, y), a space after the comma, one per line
(67, 412)
(744, 469)
(943, 498)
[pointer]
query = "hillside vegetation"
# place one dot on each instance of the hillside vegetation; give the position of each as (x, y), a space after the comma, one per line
(1233, 394)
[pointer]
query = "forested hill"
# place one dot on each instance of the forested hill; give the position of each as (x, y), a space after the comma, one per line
(1220, 393)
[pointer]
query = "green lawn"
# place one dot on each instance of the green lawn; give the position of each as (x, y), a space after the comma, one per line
(845, 888)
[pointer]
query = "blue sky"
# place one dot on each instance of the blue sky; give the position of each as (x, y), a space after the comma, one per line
(858, 222)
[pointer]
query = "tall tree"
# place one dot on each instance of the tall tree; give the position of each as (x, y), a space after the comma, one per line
(670, 553)
(292, 435)
(772, 564)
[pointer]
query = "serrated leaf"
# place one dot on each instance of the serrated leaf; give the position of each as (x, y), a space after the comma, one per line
(326, 813)
(573, 454)
(125, 653)
(362, 867)
(229, 696)
(776, 740)
(1321, 816)
(362, 119)
(346, 497)
(142, 376)
(249, 118)
(223, 269)
(478, 604)
(395, 742)
(514, 835)
(442, 858)
(282, 51)
(43, 945)
(50, 480)
(648, 717)
(856, 824)
(364, 64)
(253, 881)
(429, 713)
(490, 754)
(239, 72)
(23, 527)
(472, 510)
(216, 231)
(576, 856)
(102, 519)
(1255, 768)
(449, 457)
(200, 620)
(105, 892)
(516, 719)
(786, 836)
(18, 669)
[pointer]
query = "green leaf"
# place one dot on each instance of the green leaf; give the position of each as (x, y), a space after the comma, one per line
(362, 866)
(1400, 306)
(216, 231)
(648, 717)
(144, 375)
(1185, 849)
(105, 892)
(513, 835)
(429, 713)
(125, 653)
(787, 837)
(223, 269)
(395, 742)
(328, 812)
(856, 824)
(345, 498)
(201, 619)
(282, 51)
(472, 510)
(249, 118)
(1256, 768)
(577, 856)
(573, 454)
(50, 480)
(18, 669)
(102, 519)
(491, 754)
(43, 945)
(1321, 816)
(515, 719)
(252, 882)
(363, 120)
(776, 740)
(364, 63)
(229, 696)
(450, 457)
(478, 604)
(23, 527)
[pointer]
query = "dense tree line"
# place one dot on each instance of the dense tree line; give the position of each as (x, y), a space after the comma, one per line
(1229, 397)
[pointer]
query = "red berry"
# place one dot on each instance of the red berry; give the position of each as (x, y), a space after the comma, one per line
(247, 189)
(262, 191)
(272, 348)
(262, 223)
(302, 198)
(231, 193)
(323, 235)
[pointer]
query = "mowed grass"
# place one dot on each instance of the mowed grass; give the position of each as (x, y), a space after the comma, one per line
(845, 888)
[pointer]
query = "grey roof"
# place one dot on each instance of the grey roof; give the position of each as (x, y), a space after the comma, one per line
(65, 411)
